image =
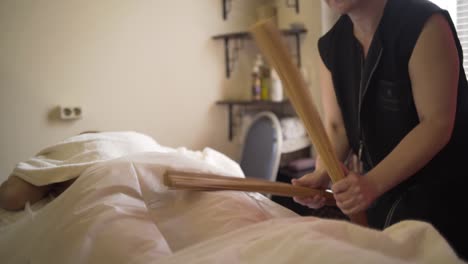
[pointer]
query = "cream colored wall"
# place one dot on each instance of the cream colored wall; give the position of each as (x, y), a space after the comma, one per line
(145, 65)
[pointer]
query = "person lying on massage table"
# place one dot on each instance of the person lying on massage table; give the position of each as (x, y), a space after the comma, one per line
(56, 167)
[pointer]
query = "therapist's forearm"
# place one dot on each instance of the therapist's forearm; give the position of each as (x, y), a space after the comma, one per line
(339, 142)
(410, 155)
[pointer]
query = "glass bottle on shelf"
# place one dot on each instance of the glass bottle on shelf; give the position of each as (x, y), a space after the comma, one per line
(256, 84)
(265, 81)
(276, 91)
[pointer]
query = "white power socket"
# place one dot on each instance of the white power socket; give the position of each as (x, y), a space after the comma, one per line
(70, 112)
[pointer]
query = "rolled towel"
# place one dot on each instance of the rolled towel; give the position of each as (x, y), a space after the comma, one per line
(292, 127)
(301, 164)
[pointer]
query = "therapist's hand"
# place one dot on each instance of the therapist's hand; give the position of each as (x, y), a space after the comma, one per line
(355, 193)
(317, 180)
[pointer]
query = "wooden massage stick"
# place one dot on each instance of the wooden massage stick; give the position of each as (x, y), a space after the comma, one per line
(270, 42)
(211, 182)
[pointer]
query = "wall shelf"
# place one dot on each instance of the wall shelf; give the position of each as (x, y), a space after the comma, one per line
(231, 50)
(261, 104)
(227, 6)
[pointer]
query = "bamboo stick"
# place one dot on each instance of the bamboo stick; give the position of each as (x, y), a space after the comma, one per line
(211, 182)
(269, 40)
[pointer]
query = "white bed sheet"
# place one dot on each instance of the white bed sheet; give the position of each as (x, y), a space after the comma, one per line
(9, 217)
(120, 212)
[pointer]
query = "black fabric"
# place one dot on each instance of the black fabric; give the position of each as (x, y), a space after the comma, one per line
(381, 86)
(429, 202)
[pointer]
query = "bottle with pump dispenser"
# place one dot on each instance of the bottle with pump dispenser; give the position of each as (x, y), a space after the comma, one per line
(276, 91)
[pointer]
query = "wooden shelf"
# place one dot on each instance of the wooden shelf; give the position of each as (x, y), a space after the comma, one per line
(243, 34)
(227, 6)
(250, 102)
(231, 50)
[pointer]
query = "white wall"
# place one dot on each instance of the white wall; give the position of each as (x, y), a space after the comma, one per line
(146, 65)
(450, 6)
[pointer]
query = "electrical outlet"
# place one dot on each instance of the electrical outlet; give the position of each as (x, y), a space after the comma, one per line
(70, 112)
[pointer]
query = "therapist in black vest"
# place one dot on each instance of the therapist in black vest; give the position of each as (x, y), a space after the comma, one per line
(395, 94)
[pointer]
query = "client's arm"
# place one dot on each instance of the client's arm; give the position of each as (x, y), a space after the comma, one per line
(15, 193)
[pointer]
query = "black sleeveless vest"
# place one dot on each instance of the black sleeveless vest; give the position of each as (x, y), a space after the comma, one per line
(375, 95)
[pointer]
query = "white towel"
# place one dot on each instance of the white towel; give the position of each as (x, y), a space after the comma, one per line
(67, 159)
(292, 128)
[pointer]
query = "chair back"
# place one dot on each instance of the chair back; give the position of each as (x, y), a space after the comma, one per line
(261, 149)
